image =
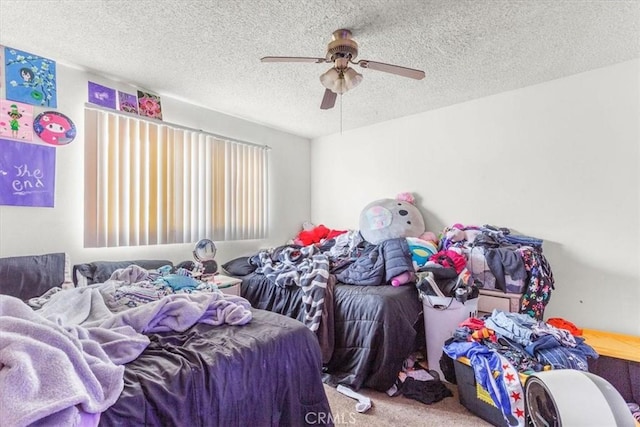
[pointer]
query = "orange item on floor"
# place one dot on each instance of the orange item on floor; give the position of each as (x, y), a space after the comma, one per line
(560, 323)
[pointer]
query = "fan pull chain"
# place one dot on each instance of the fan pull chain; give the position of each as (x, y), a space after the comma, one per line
(340, 114)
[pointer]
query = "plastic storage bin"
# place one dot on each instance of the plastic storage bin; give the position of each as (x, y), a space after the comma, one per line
(442, 315)
(475, 398)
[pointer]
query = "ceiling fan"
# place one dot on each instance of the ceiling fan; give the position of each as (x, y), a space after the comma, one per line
(342, 51)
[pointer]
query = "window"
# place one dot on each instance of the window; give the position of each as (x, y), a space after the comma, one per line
(149, 183)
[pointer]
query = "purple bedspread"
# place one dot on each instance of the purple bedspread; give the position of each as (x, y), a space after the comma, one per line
(265, 373)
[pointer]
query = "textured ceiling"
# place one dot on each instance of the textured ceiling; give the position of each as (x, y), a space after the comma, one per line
(207, 52)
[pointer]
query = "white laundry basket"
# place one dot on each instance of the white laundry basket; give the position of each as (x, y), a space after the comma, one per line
(442, 315)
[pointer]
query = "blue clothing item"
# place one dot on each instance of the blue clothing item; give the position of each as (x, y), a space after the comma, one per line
(378, 264)
(458, 349)
(516, 354)
(178, 282)
(524, 240)
(568, 357)
(164, 270)
(543, 342)
(485, 362)
(514, 326)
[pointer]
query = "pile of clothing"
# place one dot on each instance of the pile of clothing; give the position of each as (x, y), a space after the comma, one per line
(504, 344)
(417, 382)
(501, 260)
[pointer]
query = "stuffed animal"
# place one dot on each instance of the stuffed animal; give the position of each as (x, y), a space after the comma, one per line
(394, 218)
(315, 234)
(403, 278)
(391, 218)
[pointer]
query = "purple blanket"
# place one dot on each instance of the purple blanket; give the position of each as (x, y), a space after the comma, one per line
(89, 307)
(60, 364)
(48, 374)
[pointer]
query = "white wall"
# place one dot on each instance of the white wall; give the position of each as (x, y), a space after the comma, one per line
(28, 230)
(558, 160)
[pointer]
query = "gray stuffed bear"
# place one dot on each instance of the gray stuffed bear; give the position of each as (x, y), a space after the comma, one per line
(391, 218)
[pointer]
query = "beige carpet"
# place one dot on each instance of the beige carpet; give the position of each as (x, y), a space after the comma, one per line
(401, 411)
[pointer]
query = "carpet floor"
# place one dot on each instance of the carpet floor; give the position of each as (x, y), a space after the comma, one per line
(401, 411)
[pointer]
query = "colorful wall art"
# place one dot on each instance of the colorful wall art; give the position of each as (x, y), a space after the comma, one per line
(54, 128)
(149, 105)
(16, 120)
(27, 174)
(102, 95)
(128, 102)
(30, 78)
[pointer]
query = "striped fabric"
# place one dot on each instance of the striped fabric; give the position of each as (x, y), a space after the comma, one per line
(305, 267)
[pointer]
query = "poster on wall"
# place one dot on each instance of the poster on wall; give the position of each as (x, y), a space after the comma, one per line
(16, 120)
(54, 128)
(102, 95)
(27, 174)
(128, 102)
(149, 105)
(30, 78)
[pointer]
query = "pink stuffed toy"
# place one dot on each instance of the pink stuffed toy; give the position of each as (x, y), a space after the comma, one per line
(429, 236)
(403, 279)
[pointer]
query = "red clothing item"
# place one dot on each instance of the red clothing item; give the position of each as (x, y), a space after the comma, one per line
(560, 323)
(451, 259)
(317, 234)
(473, 323)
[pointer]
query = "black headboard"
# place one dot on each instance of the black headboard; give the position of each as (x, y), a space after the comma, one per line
(30, 276)
(100, 271)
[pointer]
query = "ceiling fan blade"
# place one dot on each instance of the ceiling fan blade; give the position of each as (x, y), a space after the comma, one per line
(293, 59)
(328, 100)
(393, 69)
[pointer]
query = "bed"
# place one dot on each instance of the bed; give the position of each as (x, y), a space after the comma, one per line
(368, 331)
(266, 371)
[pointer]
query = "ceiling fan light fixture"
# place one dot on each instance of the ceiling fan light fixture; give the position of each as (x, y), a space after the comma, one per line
(334, 80)
(329, 78)
(340, 86)
(340, 81)
(352, 78)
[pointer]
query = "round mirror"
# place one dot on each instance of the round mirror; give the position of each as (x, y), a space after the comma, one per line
(205, 252)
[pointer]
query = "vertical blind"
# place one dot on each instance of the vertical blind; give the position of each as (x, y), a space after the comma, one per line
(149, 183)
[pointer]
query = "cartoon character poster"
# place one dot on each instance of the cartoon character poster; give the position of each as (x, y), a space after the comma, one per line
(27, 174)
(102, 95)
(54, 128)
(149, 105)
(16, 120)
(30, 78)
(128, 102)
